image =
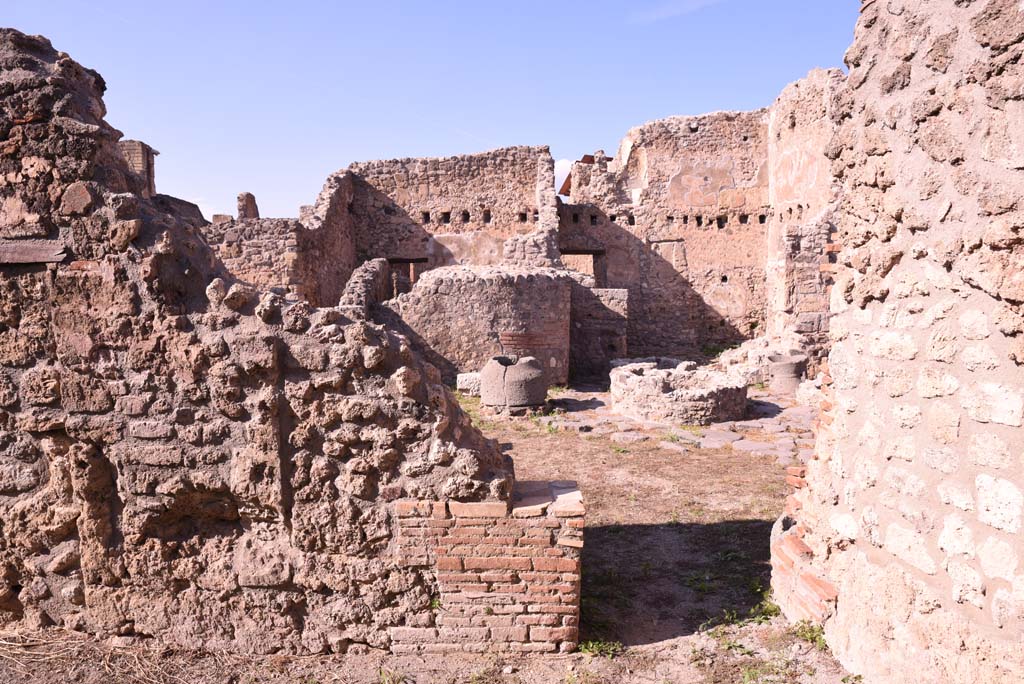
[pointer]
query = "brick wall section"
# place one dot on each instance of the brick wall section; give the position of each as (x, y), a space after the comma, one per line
(508, 578)
(141, 160)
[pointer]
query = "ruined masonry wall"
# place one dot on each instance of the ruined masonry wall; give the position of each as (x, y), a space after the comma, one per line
(906, 532)
(598, 330)
(450, 210)
(463, 316)
(508, 579)
(259, 252)
(311, 258)
(803, 195)
(679, 217)
(183, 458)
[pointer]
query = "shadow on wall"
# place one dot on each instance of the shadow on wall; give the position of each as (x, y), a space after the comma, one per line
(392, 320)
(383, 229)
(644, 584)
(667, 316)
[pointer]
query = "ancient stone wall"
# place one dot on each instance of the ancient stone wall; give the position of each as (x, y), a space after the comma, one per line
(803, 196)
(141, 160)
(182, 457)
(598, 332)
(259, 252)
(679, 218)
(310, 259)
(370, 285)
(451, 210)
(905, 531)
(462, 316)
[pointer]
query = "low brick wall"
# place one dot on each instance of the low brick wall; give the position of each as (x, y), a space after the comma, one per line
(508, 576)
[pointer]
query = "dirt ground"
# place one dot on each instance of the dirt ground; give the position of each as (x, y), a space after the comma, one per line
(675, 577)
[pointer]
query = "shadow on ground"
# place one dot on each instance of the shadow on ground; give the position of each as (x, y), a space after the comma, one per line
(648, 583)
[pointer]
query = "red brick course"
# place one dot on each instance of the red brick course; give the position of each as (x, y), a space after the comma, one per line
(508, 578)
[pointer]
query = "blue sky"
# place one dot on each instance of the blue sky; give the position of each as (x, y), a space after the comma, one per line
(271, 97)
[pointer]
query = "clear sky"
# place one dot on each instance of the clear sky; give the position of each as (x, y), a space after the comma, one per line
(271, 97)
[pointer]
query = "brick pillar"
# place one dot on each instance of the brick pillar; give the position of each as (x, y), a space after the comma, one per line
(508, 576)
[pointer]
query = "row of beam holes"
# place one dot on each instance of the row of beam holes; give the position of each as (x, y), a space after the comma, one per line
(721, 221)
(631, 220)
(446, 216)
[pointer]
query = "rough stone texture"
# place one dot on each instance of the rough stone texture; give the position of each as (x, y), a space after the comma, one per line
(183, 457)
(370, 285)
(468, 383)
(598, 331)
(678, 218)
(451, 210)
(463, 316)
(141, 160)
(669, 391)
(247, 208)
(904, 533)
(803, 196)
(307, 259)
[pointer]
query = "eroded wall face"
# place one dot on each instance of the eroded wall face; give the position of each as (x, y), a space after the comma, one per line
(461, 317)
(912, 508)
(451, 210)
(803, 195)
(310, 258)
(259, 252)
(679, 217)
(183, 458)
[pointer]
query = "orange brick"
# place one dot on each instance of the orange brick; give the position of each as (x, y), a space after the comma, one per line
(497, 563)
(553, 633)
(556, 565)
(479, 509)
(535, 541)
(509, 633)
(823, 589)
(449, 564)
(797, 545)
(544, 620)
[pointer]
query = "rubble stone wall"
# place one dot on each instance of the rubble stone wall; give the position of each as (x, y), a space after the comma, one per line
(311, 258)
(183, 458)
(598, 330)
(259, 252)
(906, 528)
(679, 218)
(451, 210)
(463, 316)
(803, 196)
